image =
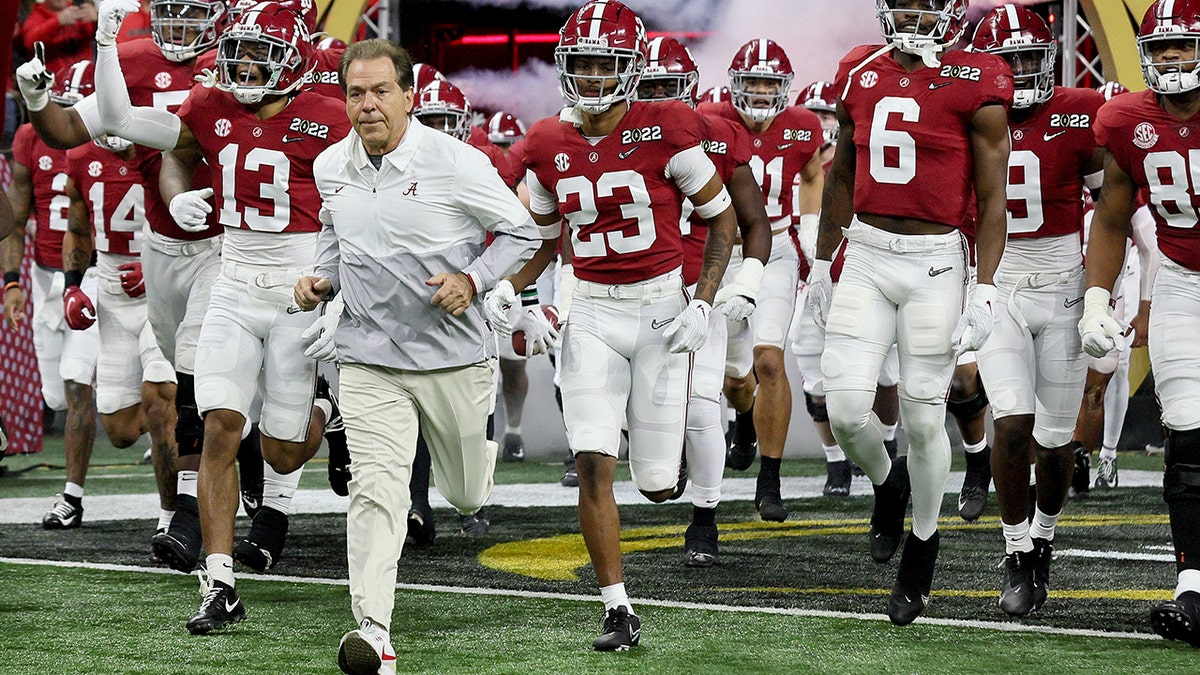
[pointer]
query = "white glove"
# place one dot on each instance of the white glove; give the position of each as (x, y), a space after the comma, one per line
(110, 14)
(319, 336)
(820, 291)
(810, 224)
(738, 296)
(688, 331)
(540, 334)
(34, 80)
(1100, 332)
(975, 324)
(496, 306)
(190, 209)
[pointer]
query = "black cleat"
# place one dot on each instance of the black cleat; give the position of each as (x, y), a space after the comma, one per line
(973, 497)
(767, 500)
(700, 546)
(474, 525)
(887, 515)
(681, 484)
(743, 447)
(622, 630)
(66, 514)
(1018, 597)
(179, 545)
(514, 448)
(1081, 480)
(914, 579)
(837, 478)
(1043, 554)
(263, 546)
(1106, 474)
(221, 607)
(421, 528)
(335, 438)
(1178, 619)
(571, 475)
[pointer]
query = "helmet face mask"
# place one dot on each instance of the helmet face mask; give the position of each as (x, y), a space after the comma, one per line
(267, 53)
(1169, 45)
(504, 129)
(1024, 41)
(600, 56)
(113, 143)
(670, 73)
(922, 28)
(184, 29)
(443, 106)
(1033, 73)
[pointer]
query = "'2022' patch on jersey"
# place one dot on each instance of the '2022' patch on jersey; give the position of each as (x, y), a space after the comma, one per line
(1071, 121)
(639, 135)
(314, 129)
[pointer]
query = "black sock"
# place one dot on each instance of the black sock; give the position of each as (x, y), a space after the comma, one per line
(769, 466)
(418, 485)
(77, 502)
(250, 463)
(704, 517)
(744, 427)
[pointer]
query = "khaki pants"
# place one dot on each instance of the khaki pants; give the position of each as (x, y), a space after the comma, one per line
(382, 408)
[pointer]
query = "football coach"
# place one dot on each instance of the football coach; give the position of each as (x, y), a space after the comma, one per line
(406, 211)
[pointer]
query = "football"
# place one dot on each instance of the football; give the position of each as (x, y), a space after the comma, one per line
(519, 344)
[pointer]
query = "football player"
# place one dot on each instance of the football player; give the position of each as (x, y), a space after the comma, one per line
(616, 172)
(1147, 137)
(135, 385)
(808, 339)
(1033, 364)
(785, 142)
(671, 73)
(259, 131)
(917, 124)
(66, 358)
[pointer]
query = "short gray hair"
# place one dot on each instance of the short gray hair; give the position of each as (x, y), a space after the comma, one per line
(369, 50)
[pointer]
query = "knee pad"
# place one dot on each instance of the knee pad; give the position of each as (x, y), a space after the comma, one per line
(1181, 477)
(969, 408)
(817, 411)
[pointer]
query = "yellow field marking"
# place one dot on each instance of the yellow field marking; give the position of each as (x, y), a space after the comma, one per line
(557, 558)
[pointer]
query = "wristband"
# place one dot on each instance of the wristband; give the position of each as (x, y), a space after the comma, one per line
(11, 278)
(529, 297)
(72, 278)
(11, 285)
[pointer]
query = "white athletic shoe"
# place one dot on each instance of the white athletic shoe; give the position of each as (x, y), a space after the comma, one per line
(367, 651)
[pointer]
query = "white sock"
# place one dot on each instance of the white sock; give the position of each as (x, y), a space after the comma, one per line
(1043, 525)
(833, 453)
(889, 431)
(975, 447)
(278, 489)
(220, 568)
(614, 596)
(325, 407)
(185, 483)
(1016, 537)
(164, 519)
(511, 429)
(73, 490)
(1189, 580)
(1108, 453)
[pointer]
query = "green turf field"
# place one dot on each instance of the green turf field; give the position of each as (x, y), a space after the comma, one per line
(742, 616)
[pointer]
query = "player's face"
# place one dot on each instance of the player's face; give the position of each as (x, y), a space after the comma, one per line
(1170, 55)
(183, 32)
(919, 21)
(377, 106)
(829, 122)
(761, 91)
(654, 89)
(440, 122)
(249, 70)
(597, 74)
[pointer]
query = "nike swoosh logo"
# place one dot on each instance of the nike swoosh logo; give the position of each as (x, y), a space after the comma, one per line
(292, 139)
(635, 634)
(939, 85)
(1050, 137)
(940, 270)
(925, 600)
(623, 155)
(339, 189)
(292, 309)
(785, 146)
(1071, 303)
(229, 607)
(659, 323)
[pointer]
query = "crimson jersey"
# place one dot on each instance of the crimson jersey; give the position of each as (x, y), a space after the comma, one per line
(511, 172)
(154, 81)
(113, 190)
(912, 130)
(1050, 149)
(263, 169)
(779, 154)
(1157, 150)
(48, 176)
(727, 144)
(616, 196)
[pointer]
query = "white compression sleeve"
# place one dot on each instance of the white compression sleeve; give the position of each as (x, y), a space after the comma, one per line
(147, 126)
